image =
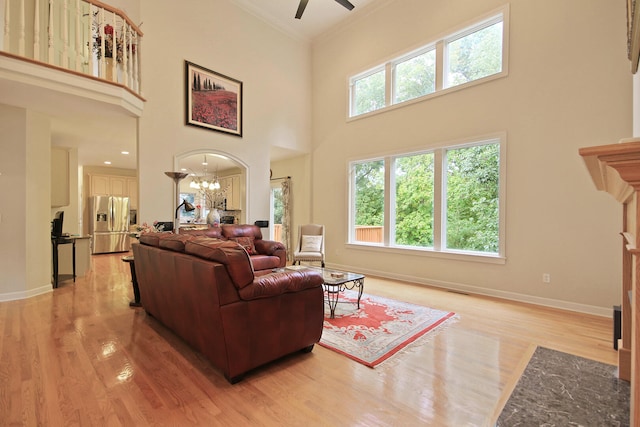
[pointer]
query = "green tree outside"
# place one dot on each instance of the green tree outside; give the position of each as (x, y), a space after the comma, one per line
(473, 175)
(369, 193)
(414, 200)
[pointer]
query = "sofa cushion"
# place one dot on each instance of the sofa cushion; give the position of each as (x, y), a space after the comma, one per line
(246, 243)
(153, 239)
(275, 284)
(175, 242)
(215, 232)
(265, 262)
(241, 230)
(231, 254)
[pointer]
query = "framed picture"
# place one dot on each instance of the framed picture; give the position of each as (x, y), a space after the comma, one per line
(633, 34)
(214, 101)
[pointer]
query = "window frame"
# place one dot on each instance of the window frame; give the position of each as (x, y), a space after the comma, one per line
(439, 203)
(362, 76)
(440, 44)
(401, 60)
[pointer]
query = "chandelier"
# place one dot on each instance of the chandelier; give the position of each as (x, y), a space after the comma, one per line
(212, 193)
(204, 181)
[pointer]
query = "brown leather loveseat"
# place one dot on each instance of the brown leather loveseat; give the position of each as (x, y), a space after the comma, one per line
(206, 291)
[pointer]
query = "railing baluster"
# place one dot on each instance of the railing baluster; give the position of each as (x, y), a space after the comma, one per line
(78, 39)
(22, 32)
(101, 59)
(114, 50)
(125, 53)
(50, 51)
(65, 34)
(36, 31)
(90, 40)
(138, 65)
(7, 26)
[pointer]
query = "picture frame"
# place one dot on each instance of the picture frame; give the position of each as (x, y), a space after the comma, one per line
(633, 34)
(213, 100)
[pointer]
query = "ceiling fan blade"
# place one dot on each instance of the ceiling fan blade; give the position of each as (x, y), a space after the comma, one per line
(301, 7)
(346, 4)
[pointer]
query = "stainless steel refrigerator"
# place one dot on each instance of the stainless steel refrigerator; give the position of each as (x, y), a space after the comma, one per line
(109, 224)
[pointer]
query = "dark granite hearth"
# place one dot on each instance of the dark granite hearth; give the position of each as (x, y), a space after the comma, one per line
(559, 389)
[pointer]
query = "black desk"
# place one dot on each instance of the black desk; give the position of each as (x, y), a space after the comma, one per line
(55, 242)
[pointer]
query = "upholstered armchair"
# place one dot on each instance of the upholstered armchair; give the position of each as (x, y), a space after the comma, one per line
(310, 244)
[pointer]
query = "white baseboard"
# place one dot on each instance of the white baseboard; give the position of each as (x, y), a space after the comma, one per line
(470, 289)
(12, 296)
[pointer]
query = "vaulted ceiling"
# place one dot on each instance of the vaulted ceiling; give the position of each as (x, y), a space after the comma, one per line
(99, 141)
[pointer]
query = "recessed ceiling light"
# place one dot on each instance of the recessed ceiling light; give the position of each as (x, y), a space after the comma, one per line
(183, 169)
(124, 152)
(107, 162)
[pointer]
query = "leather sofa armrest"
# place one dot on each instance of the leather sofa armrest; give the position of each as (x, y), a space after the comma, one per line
(267, 247)
(272, 248)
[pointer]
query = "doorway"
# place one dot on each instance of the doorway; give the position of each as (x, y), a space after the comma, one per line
(276, 212)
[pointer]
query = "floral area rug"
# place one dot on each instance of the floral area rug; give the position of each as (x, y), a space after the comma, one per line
(379, 329)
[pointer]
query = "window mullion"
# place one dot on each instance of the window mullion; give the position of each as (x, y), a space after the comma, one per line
(440, 65)
(387, 237)
(390, 231)
(439, 204)
(388, 85)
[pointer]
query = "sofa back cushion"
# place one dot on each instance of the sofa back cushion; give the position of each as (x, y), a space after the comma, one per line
(232, 255)
(246, 243)
(153, 239)
(215, 232)
(175, 242)
(230, 231)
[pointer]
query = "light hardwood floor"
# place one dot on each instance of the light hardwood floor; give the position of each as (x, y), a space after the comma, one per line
(81, 356)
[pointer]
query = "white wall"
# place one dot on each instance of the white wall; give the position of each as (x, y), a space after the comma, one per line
(25, 171)
(274, 69)
(569, 86)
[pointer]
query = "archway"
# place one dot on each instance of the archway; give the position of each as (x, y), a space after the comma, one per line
(232, 174)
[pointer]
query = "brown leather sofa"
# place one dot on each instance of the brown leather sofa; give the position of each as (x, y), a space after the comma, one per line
(265, 254)
(206, 291)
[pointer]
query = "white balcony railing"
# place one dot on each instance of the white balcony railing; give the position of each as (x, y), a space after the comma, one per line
(80, 36)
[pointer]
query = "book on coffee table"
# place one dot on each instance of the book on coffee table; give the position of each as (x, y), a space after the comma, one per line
(296, 267)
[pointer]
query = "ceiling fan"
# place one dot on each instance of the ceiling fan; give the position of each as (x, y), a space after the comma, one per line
(303, 5)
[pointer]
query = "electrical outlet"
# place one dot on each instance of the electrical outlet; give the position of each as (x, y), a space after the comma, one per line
(546, 278)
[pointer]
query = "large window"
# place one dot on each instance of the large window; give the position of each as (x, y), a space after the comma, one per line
(461, 58)
(445, 200)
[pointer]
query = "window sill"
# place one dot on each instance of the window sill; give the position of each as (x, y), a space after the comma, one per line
(436, 94)
(453, 255)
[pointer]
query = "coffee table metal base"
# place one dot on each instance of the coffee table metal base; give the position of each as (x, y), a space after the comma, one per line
(333, 292)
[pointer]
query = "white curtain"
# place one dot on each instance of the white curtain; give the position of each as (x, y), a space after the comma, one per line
(286, 217)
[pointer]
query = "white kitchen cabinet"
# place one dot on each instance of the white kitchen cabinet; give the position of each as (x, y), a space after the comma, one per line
(132, 192)
(234, 192)
(115, 185)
